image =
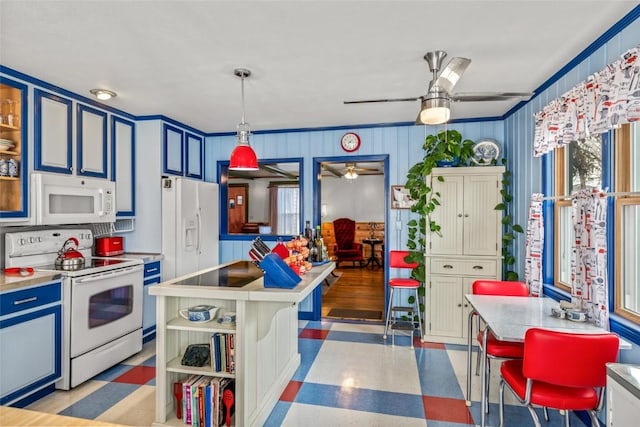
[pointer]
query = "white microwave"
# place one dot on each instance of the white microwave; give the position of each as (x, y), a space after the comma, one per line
(66, 199)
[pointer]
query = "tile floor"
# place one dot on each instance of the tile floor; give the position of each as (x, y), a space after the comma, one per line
(348, 376)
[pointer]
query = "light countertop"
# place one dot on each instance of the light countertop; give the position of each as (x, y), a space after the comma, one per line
(253, 291)
(144, 256)
(628, 376)
(11, 282)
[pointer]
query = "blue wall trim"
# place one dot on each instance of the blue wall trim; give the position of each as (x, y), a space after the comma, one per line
(349, 127)
(58, 89)
(597, 44)
(173, 122)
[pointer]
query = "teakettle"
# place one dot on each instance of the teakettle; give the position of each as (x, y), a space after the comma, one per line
(70, 258)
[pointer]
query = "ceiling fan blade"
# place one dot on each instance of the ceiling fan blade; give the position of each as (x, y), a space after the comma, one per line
(332, 170)
(490, 96)
(452, 73)
(383, 100)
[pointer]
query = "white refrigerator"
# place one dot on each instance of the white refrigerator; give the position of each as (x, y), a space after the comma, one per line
(190, 217)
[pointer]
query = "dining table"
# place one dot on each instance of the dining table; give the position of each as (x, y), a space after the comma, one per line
(509, 318)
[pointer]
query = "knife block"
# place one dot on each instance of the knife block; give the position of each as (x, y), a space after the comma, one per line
(277, 274)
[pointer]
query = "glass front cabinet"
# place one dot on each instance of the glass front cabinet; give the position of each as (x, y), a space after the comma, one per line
(13, 149)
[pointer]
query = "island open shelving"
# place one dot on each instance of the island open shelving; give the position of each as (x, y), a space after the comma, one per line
(266, 335)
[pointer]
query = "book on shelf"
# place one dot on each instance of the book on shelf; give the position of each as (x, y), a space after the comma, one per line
(223, 352)
(202, 402)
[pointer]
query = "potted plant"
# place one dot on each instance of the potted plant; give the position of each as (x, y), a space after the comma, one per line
(447, 148)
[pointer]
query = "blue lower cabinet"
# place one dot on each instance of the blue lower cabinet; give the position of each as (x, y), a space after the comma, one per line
(152, 276)
(30, 342)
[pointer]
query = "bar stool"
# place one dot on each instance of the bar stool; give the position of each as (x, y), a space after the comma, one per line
(397, 260)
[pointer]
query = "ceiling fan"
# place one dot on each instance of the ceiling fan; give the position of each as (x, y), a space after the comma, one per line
(349, 171)
(436, 102)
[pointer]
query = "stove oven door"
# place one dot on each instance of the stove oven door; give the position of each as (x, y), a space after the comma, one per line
(105, 306)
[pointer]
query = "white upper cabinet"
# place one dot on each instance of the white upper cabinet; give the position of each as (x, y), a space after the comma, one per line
(123, 165)
(53, 133)
(194, 155)
(54, 148)
(470, 224)
(173, 150)
(92, 142)
(182, 152)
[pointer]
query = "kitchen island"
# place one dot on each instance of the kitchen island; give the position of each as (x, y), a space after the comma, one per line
(265, 333)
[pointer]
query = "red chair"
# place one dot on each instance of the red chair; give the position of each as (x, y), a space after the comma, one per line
(346, 249)
(496, 349)
(397, 260)
(578, 384)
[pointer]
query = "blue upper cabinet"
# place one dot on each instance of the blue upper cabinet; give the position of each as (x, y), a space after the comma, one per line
(173, 150)
(92, 142)
(13, 150)
(194, 148)
(53, 136)
(123, 160)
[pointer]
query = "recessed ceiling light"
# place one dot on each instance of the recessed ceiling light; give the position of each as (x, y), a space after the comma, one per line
(103, 94)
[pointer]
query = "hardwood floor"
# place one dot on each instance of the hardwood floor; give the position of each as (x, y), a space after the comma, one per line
(357, 288)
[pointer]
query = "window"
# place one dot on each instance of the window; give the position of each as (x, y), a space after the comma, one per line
(253, 205)
(627, 220)
(288, 212)
(578, 165)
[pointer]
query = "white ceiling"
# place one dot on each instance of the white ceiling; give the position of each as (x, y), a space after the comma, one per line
(176, 58)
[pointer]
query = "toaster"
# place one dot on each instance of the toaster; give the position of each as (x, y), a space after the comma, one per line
(109, 246)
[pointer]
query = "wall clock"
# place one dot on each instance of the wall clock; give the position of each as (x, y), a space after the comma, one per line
(350, 142)
(485, 151)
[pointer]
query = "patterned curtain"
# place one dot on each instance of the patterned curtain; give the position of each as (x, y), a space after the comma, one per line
(533, 246)
(589, 259)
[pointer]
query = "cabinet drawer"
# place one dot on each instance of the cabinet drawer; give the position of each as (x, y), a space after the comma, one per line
(152, 269)
(459, 267)
(12, 302)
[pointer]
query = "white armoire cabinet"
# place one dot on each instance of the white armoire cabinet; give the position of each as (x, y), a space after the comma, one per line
(469, 247)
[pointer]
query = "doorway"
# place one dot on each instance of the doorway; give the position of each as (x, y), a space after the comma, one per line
(354, 187)
(237, 207)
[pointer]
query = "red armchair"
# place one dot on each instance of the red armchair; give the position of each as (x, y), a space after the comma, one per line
(346, 249)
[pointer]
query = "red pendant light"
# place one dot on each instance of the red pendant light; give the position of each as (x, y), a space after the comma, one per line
(243, 158)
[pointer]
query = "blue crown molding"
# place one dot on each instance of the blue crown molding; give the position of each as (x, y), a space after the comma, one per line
(173, 122)
(42, 84)
(351, 127)
(597, 44)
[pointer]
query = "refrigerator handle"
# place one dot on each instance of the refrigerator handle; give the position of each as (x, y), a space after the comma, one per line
(199, 230)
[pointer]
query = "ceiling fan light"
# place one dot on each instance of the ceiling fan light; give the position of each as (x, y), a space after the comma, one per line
(351, 174)
(435, 111)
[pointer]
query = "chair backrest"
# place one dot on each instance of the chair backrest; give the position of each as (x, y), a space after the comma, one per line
(500, 287)
(585, 356)
(344, 230)
(397, 260)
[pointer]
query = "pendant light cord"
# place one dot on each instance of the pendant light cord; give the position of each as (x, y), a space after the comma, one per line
(242, 92)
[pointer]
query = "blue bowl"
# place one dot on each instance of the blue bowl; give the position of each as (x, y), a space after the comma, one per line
(448, 163)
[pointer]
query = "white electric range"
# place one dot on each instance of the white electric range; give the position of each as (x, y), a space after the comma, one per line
(102, 300)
